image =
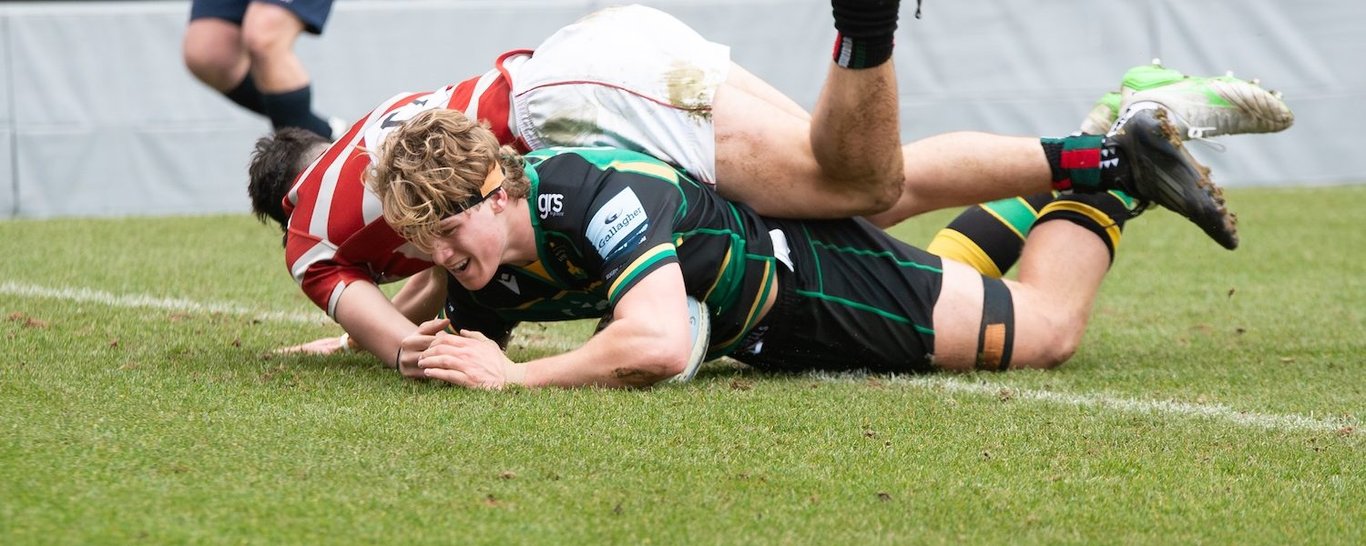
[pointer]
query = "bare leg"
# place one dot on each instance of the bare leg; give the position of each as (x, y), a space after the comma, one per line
(1060, 273)
(743, 81)
(763, 152)
(214, 54)
(269, 32)
(773, 156)
(966, 168)
(766, 158)
(856, 134)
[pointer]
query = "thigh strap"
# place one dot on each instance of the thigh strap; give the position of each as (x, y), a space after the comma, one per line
(997, 334)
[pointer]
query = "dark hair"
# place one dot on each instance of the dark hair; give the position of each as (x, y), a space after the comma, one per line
(275, 163)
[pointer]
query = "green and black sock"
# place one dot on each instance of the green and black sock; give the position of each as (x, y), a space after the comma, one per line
(989, 236)
(1102, 213)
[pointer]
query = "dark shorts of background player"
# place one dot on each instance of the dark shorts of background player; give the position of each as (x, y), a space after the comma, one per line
(857, 299)
(312, 12)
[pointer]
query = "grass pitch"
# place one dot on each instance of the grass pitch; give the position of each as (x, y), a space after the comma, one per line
(1218, 398)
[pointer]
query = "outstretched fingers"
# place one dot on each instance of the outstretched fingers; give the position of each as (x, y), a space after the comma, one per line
(469, 360)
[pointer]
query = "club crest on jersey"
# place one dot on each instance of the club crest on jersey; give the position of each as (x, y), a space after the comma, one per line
(619, 226)
(563, 257)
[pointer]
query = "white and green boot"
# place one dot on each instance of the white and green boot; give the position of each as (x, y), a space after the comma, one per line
(1200, 107)
(1102, 115)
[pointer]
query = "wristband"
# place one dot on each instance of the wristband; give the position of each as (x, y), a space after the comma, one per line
(398, 360)
(514, 374)
(345, 342)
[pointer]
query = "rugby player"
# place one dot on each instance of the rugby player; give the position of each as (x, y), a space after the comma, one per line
(244, 49)
(628, 235)
(598, 82)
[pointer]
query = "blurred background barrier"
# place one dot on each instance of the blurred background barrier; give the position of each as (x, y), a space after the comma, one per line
(99, 117)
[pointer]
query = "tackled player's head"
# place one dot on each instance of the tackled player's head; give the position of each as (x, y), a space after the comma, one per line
(275, 163)
(436, 165)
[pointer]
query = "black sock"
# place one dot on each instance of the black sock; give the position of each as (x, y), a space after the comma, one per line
(247, 96)
(295, 109)
(866, 30)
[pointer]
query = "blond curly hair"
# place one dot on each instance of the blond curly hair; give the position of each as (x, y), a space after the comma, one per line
(432, 166)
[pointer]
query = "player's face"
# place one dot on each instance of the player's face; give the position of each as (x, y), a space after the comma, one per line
(471, 244)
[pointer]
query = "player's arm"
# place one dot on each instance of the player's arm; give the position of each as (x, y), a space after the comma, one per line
(418, 300)
(374, 323)
(421, 296)
(648, 341)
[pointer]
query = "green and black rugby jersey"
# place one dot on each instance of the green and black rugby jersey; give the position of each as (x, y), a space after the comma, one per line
(604, 219)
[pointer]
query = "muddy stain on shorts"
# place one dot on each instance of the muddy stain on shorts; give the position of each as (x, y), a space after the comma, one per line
(570, 126)
(688, 89)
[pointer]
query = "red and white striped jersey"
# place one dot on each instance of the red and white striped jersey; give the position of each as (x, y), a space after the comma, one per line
(337, 234)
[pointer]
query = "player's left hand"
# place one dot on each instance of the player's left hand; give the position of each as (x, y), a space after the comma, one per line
(469, 360)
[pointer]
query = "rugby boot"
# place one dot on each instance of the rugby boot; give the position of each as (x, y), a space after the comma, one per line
(1201, 107)
(1160, 170)
(1102, 116)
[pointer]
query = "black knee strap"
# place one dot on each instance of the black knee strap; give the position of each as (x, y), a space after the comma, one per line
(997, 335)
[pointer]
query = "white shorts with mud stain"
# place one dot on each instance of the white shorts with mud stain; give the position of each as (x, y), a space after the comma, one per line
(629, 77)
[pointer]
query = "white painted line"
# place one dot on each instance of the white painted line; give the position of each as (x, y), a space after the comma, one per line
(946, 383)
(953, 384)
(86, 295)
